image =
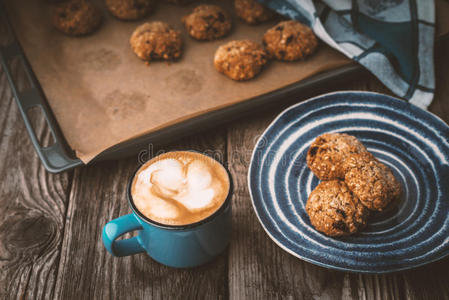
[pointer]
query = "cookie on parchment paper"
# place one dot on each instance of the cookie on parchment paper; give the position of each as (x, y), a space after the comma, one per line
(76, 17)
(252, 12)
(207, 22)
(240, 60)
(290, 41)
(155, 41)
(129, 9)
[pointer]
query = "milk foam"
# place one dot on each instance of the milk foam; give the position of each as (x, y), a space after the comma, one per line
(173, 187)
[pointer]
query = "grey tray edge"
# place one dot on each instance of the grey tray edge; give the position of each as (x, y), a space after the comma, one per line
(56, 157)
(59, 157)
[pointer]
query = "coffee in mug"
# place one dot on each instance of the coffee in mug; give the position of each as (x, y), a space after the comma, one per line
(181, 210)
(180, 188)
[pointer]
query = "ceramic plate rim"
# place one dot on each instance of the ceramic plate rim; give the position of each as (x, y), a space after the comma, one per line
(316, 262)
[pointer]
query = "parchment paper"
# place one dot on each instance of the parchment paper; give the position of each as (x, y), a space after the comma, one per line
(101, 94)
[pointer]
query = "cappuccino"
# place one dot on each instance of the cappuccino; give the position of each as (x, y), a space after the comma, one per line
(180, 188)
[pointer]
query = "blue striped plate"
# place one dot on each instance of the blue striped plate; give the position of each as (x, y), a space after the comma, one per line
(412, 142)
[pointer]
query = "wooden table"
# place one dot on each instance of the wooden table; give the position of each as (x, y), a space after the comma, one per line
(50, 225)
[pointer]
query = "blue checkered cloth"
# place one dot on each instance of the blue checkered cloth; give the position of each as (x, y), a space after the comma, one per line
(393, 39)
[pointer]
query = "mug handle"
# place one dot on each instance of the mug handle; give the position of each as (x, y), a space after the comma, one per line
(117, 227)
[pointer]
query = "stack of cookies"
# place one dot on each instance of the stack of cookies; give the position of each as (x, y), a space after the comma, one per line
(353, 183)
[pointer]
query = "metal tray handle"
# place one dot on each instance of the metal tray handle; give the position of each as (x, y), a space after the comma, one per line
(54, 157)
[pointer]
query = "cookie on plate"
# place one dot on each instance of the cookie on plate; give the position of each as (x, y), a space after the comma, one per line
(394, 185)
(328, 152)
(76, 17)
(371, 181)
(156, 40)
(207, 22)
(252, 12)
(240, 60)
(129, 9)
(334, 210)
(290, 41)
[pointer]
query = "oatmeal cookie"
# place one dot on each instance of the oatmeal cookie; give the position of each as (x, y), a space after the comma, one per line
(129, 9)
(290, 41)
(156, 40)
(252, 12)
(54, 1)
(76, 17)
(240, 60)
(207, 22)
(371, 181)
(328, 152)
(334, 210)
(179, 2)
(393, 183)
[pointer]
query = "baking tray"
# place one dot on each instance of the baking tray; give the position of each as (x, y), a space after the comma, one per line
(59, 157)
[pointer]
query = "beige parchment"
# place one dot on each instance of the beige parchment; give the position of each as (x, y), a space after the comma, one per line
(101, 94)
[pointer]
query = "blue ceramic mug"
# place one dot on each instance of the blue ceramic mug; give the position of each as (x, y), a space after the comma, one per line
(175, 246)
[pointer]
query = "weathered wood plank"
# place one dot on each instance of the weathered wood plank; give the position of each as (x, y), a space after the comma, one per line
(33, 206)
(87, 271)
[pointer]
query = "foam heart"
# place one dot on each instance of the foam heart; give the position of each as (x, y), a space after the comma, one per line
(187, 183)
(168, 176)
